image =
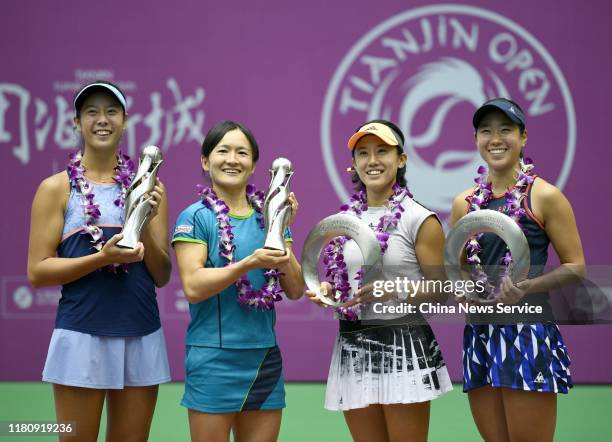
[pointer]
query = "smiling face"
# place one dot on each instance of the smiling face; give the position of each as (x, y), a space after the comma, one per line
(101, 121)
(499, 141)
(230, 163)
(376, 163)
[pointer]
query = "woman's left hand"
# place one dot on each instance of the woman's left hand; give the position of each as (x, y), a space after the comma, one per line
(291, 199)
(367, 295)
(510, 293)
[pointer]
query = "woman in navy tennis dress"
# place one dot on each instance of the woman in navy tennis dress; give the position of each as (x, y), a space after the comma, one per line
(513, 366)
(108, 343)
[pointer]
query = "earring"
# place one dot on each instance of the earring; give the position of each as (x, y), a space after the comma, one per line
(350, 169)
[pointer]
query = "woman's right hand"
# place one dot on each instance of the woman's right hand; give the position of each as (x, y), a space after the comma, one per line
(325, 289)
(118, 255)
(267, 259)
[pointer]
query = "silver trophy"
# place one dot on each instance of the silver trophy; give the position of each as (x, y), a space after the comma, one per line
(329, 228)
(490, 221)
(137, 207)
(276, 207)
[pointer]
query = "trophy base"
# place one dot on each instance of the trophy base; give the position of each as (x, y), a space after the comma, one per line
(134, 225)
(128, 243)
(273, 248)
(131, 233)
(275, 244)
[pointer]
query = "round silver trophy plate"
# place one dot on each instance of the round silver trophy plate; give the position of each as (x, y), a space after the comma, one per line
(342, 224)
(489, 221)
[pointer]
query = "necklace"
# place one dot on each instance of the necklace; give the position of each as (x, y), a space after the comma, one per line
(333, 257)
(271, 291)
(124, 172)
(481, 197)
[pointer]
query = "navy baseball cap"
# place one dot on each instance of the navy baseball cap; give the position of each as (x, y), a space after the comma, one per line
(90, 88)
(510, 109)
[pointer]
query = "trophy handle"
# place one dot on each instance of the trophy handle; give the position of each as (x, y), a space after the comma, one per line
(143, 168)
(149, 155)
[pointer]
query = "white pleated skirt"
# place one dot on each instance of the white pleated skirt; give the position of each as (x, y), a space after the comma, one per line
(397, 364)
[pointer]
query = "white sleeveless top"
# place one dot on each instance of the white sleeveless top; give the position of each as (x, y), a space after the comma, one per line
(400, 258)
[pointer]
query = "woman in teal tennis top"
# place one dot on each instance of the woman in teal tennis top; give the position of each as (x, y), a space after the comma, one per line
(233, 364)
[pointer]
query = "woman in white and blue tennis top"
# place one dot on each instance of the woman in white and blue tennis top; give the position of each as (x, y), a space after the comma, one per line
(233, 364)
(108, 342)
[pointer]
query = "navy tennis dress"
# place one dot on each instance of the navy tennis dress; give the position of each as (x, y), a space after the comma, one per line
(526, 355)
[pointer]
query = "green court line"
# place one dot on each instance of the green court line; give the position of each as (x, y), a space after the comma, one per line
(583, 415)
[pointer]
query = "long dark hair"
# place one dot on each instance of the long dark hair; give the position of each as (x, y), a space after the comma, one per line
(218, 131)
(401, 171)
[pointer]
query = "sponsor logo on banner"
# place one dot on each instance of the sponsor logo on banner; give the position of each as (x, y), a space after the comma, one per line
(22, 301)
(22, 297)
(428, 69)
(31, 125)
(173, 305)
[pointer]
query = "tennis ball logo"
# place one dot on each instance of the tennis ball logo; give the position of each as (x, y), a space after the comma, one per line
(23, 297)
(428, 69)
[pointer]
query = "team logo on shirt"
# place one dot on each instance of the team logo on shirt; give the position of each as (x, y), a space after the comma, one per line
(183, 229)
(428, 69)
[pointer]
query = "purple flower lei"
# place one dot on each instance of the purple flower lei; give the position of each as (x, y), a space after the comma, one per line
(124, 172)
(271, 291)
(333, 257)
(512, 207)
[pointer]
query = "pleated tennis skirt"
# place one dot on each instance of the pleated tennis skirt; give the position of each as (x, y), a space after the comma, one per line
(397, 364)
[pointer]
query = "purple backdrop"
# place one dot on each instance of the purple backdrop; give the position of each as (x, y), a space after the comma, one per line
(303, 76)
